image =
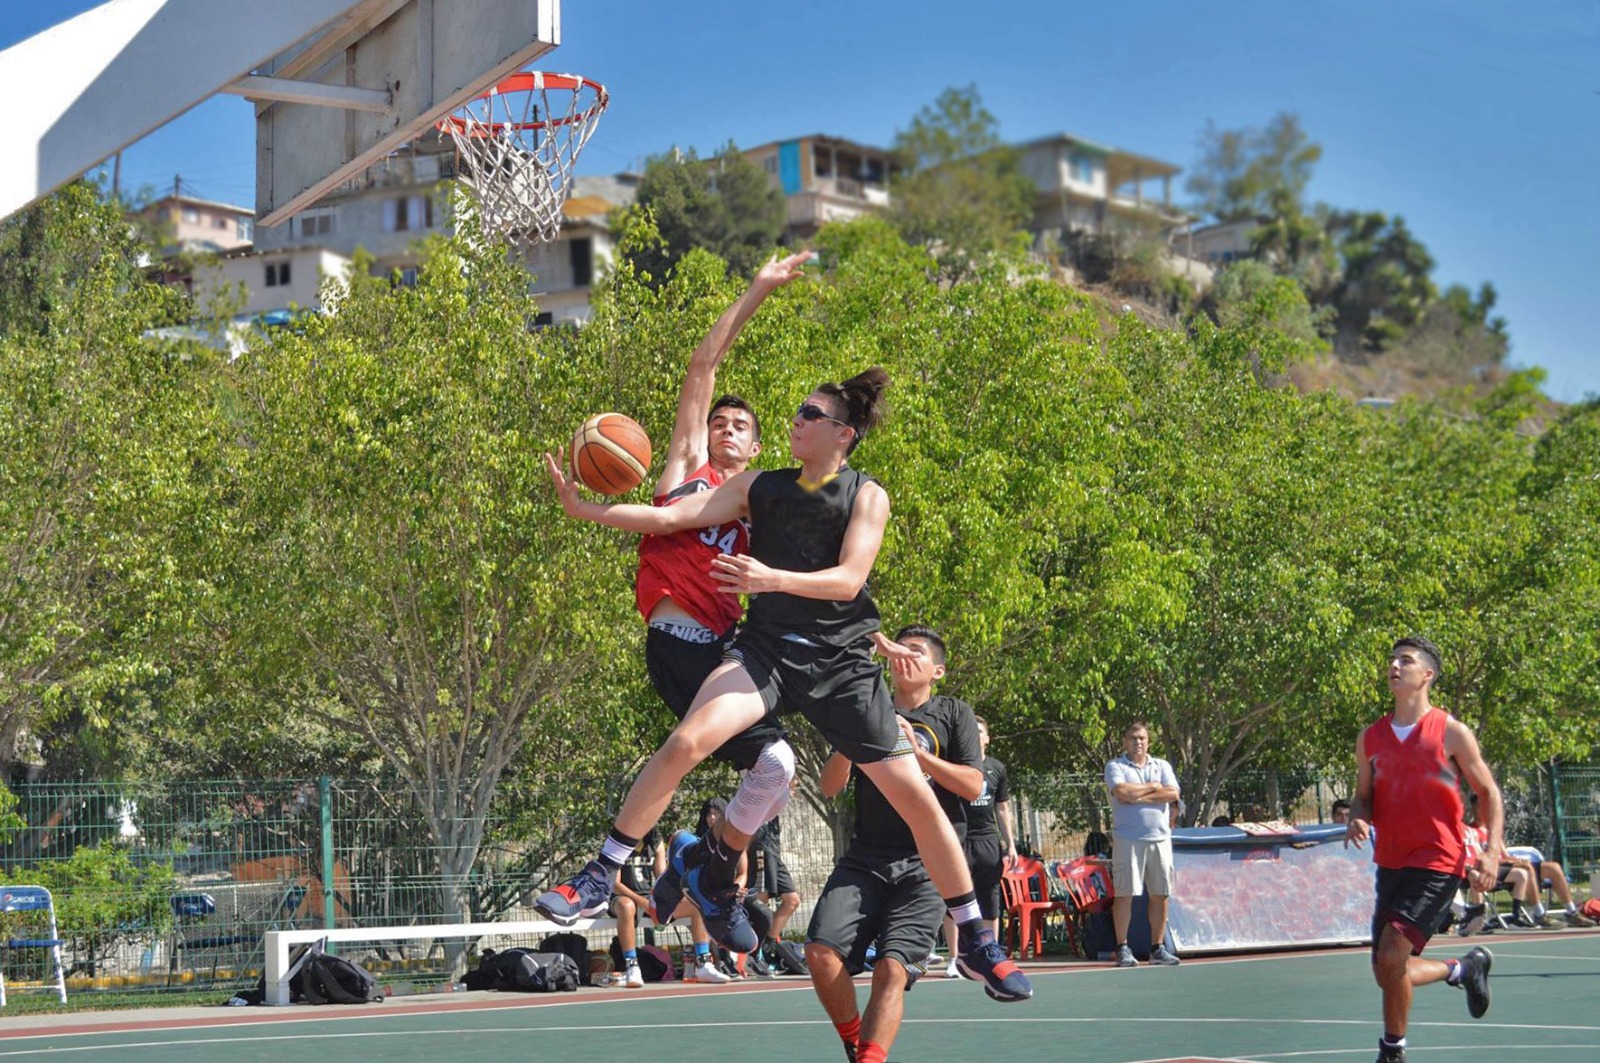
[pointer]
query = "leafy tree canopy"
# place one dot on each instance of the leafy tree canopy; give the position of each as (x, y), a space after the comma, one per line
(725, 204)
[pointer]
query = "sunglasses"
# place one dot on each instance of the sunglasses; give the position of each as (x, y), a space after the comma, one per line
(810, 411)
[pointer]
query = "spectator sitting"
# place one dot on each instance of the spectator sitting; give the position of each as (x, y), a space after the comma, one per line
(1522, 874)
(1222, 821)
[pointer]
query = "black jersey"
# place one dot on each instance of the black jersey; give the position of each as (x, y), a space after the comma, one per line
(797, 529)
(996, 788)
(946, 728)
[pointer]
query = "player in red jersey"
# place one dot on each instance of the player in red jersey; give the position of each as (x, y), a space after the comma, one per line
(1408, 800)
(690, 623)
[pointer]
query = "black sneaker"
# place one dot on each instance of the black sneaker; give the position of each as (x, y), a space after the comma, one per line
(1387, 1054)
(1475, 980)
(757, 964)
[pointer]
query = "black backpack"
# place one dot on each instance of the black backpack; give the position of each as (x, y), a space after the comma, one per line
(792, 958)
(526, 971)
(573, 945)
(327, 979)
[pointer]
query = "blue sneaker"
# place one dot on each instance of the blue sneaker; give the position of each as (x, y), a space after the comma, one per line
(583, 896)
(682, 854)
(983, 960)
(723, 909)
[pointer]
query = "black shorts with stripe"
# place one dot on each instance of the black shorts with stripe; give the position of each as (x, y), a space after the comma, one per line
(839, 689)
(1413, 900)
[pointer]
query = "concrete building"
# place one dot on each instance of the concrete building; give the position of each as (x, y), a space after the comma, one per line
(186, 223)
(392, 207)
(1088, 187)
(825, 179)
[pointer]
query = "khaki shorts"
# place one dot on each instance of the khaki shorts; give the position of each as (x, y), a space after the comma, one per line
(1141, 867)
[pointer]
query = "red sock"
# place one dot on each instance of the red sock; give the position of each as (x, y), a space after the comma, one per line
(871, 1052)
(849, 1031)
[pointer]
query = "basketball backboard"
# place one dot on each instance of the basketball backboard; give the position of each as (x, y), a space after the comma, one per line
(413, 61)
(338, 83)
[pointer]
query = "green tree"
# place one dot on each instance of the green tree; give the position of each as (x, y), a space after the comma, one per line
(92, 419)
(106, 896)
(725, 204)
(1385, 284)
(959, 190)
(1253, 172)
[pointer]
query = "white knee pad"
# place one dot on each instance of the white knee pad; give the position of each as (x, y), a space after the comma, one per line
(764, 789)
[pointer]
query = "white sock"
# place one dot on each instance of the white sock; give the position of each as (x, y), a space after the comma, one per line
(1537, 910)
(1572, 909)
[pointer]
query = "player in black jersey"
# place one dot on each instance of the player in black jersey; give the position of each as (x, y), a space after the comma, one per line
(805, 646)
(879, 891)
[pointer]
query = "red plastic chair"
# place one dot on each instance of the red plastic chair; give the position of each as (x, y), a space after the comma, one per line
(1026, 888)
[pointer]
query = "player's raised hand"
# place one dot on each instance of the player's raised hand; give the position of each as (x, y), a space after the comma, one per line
(892, 651)
(780, 271)
(566, 490)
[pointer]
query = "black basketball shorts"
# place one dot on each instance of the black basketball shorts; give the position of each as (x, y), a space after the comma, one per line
(986, 865)
(678, 667)
(839, 689)
(1413, 900)
(877, 899)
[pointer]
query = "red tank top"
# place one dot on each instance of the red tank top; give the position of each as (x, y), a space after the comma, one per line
(1416, 802)
(678, 566)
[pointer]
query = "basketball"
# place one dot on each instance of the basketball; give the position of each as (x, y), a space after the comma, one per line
(610, 454)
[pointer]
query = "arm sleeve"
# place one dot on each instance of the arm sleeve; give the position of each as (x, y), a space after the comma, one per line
(1168, 776)
(1113, 775)
(1002, 789)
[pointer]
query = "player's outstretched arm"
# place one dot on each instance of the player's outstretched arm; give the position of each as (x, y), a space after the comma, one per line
(842, 582)
(687, 450)
(718, 506)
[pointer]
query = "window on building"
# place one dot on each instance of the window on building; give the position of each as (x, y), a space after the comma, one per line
(1083, 169)
(582, 251)
(277, 274)
(769, 163)
(406, 278)
(246, 229)
(407, 214)
(316, 223)
(544, 320)
(219, 222)
(191, 215)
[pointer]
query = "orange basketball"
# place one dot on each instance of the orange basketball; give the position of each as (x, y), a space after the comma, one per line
(610, 454)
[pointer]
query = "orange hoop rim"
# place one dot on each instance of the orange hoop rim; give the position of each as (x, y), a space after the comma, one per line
(528, 81)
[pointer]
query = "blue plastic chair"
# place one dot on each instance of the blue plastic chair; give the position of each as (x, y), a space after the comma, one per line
(33, 899)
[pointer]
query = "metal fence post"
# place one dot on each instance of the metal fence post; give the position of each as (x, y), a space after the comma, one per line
(325, 790)
(1555, 813)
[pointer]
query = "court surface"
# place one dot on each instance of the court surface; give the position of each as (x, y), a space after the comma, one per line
(1297, 1006)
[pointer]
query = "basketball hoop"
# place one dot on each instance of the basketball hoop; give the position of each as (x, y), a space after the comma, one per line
(516, 145)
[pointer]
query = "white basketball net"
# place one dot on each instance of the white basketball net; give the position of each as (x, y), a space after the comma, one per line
(516, 145)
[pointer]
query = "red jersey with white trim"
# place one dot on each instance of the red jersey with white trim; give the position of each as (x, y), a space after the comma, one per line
(678, 566)
(1416, 799)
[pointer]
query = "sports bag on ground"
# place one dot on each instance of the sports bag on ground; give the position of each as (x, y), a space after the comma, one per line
(574, 945)
(526, 971)
(327, 979)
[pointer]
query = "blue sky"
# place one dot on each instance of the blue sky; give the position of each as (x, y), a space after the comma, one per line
(1477, 121)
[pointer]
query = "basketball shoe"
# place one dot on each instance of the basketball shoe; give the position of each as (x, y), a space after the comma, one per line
(583, 896)
(983, 960)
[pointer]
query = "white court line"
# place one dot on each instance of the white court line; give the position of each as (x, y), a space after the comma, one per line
(1542, 956)
(655, 1026)
(1414, 1049)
